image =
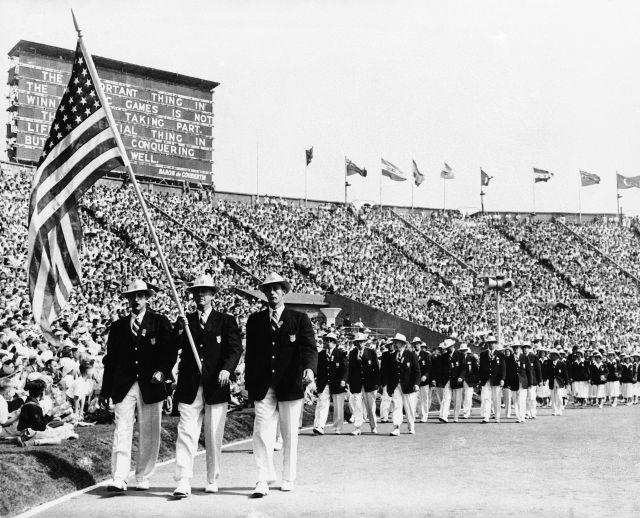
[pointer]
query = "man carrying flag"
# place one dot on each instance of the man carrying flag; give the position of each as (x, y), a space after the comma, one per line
(540, 175)
(391, 171)
(587, 179)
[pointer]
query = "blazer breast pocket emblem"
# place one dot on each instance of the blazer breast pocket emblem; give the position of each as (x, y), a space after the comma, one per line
(143, 332)
(153, 341)
(219, 339)
(369, 362)
(292, 338)
(408, 364)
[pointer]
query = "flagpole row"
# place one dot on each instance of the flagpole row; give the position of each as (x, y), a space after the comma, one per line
(138, 192)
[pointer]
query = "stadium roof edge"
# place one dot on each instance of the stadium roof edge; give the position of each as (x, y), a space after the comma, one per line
(112, 64)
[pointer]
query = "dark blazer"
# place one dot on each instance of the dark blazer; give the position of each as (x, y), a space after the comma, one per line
(598, 374)
(560, 375)
(579, 371)
(454, 371)
(536, 368)
(364, 372)
(521, 372)
(470, 369)
(492, 370)
(130, 358)
(405, 372)
(626, 372)
(424, 359)
(219, 348)
(386, 360)
(279, 358)
(614, 370)
(332, 370)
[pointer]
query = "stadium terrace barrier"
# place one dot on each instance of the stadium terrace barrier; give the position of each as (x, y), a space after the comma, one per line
(597, 250)
(232, 263)
(433, 242)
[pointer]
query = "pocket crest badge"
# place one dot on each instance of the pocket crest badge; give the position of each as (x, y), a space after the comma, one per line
(292, 338)
(153, 341)
(143, 332)
(219, 339)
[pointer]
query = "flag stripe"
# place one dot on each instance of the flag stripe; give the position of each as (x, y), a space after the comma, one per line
(80, 148)
(101, 143)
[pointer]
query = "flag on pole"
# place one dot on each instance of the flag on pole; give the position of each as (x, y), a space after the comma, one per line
(589, 179)
(484, 178)
(447, 173)
(309, 154)
(540, 175)
(418, 177)
(81, 147)
(627, 182)
(353, 168)
(391, 171)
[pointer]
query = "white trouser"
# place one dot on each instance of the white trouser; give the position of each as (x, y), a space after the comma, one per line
(490, 396)
(149, 419)
(268, 413)
(532, 404)
(467, 399)
(447, 394)
(322, 409)
(506, 392)
(424, 402)
(556, 399)
(364, 402)
(191, 417)
(408, 401)
(385, 404)
(520, 400)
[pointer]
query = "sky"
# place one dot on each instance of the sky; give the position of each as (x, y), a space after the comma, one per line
(503, 85)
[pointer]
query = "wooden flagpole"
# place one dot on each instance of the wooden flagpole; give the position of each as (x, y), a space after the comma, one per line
(136, 188)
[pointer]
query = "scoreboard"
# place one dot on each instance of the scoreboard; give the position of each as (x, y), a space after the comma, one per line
(166, 120)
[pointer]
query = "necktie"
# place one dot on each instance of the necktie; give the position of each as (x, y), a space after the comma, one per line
(203, 320)
(135, 327)
(274, 322)
(359, 355)
(398, 358)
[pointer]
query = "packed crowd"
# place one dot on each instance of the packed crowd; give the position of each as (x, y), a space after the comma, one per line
(564, 292)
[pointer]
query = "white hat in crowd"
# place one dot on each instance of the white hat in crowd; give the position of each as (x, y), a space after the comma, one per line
(275, 278)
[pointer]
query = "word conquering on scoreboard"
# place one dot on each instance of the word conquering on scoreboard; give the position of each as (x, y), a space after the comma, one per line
(166, 120)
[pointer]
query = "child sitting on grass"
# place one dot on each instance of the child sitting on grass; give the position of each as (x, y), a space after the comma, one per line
(42, 430)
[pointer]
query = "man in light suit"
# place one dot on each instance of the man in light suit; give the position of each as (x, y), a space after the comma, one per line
(331, 385)
(139, 358)
(280, 356)
(204, 396)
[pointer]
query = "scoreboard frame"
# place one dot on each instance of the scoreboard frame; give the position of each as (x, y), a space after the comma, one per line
(166, 119)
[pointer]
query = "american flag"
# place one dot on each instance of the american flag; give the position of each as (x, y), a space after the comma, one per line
(81, 147)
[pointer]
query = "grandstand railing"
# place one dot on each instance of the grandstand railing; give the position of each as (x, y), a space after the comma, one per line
(231, 262)
(434, 242)
(597, 250)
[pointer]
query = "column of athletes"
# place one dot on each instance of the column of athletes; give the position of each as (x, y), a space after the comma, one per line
(281, 359)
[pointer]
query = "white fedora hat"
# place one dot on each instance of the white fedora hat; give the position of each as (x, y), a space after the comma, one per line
(399, 337)
(360, 337)
(138, 285)
(275, 278)
(416, 340)
(203, 281)
(463, 347)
